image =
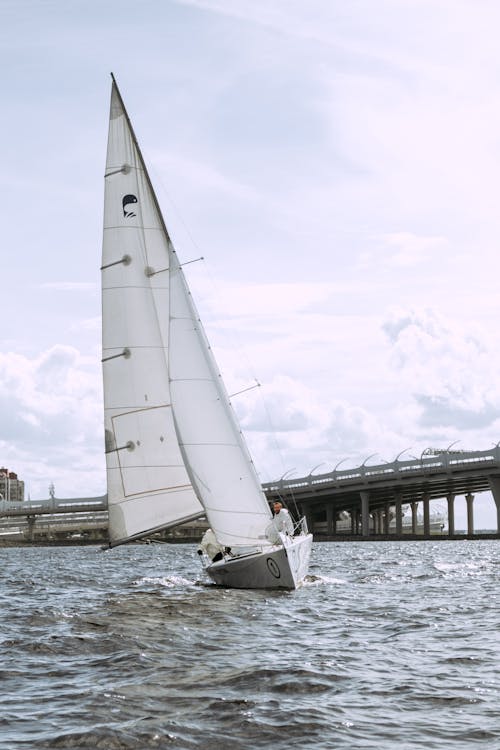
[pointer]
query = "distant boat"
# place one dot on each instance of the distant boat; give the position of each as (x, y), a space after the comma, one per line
(174, 450)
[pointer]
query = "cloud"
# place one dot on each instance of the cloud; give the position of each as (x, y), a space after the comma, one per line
(444, 411)
(70, 286)
(51, 409)
(448, 368)
(404, 250)
(290, 425)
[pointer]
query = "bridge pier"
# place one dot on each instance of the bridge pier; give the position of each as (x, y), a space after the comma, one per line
(427, 516)
(469, 498)
(387, 518)
(414, 517)
(31, 528)
(399, 514)
(365, 513)
(450, 498)
(495, 491)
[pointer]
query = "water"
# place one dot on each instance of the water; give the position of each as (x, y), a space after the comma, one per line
(389, 645)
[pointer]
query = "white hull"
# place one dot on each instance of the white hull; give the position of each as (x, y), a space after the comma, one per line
(277, 567)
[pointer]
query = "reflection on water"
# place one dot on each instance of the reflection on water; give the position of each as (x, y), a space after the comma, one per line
(388, 645)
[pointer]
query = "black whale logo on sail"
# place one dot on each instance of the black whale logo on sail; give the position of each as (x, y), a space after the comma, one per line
(127, 201)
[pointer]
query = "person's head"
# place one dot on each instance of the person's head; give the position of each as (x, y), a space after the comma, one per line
(277, 506)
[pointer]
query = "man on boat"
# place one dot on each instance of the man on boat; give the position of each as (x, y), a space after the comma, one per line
(282, 521)
(211, 547)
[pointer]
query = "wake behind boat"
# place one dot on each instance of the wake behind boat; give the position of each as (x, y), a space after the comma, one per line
(174, 450)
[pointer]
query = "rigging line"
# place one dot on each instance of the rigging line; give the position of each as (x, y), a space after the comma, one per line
(234, 337)
(281, 497)
(197, 247)
(278, 449)
(160, 182)
(290, 494)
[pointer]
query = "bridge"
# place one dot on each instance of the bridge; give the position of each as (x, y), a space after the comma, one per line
(373, 496)
(54, 519)
(370, 499)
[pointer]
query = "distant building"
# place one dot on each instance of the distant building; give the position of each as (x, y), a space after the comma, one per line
(11, 488)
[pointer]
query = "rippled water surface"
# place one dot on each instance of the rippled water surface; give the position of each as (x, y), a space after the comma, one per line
(388, 645)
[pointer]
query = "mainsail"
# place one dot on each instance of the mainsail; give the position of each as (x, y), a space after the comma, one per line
(173, 446)
(148, 486)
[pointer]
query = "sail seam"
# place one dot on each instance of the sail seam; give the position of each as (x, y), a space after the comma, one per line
(151, 493)
(146, 286)
(134, 227)
(210, 442)
(135, 346)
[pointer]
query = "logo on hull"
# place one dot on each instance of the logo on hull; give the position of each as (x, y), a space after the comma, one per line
(273, 568)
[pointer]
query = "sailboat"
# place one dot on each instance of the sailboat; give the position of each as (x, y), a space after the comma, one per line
(174, 450)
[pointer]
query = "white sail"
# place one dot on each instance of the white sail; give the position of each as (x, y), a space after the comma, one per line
(214, 450)
(148, 486)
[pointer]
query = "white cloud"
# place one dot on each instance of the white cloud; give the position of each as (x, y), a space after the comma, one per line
(404, 250)
(69, 286)
(447, 368)
(51, 421)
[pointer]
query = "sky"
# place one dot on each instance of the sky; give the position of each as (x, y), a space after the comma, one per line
(336, 165)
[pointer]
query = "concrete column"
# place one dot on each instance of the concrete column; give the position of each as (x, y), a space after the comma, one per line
(414, 517)
(495, 491)
(330, 520)
(399, 515)
(354, 529)
(365, 513)
(31, 528)
(451, 513)
(381, 521)
(469, 498)
(427, 518)
(387, 518)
